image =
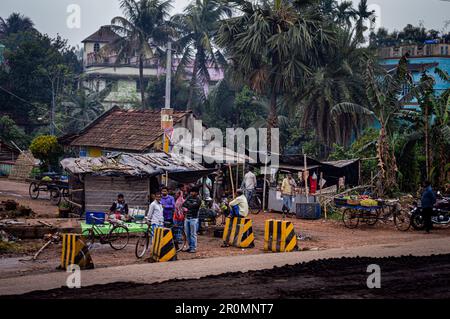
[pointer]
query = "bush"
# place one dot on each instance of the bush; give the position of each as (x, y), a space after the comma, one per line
(47, 149)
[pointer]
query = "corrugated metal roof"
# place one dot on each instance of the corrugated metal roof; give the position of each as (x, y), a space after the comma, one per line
(149, 164)
(341, 163)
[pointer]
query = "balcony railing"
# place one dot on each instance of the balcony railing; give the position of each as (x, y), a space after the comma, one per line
(94, 59)
(417, 51)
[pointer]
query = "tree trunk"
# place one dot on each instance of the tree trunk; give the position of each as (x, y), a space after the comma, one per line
(141, 81)
(273, 117)
(387, 179)
(427, 144)
(192, 84)
(442, 163)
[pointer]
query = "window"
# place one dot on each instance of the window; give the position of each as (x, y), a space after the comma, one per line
(96, 47)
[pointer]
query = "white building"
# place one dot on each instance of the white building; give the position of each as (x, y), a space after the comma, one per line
(123, 77)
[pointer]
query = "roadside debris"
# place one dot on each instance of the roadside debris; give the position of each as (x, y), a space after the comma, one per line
(12, 209)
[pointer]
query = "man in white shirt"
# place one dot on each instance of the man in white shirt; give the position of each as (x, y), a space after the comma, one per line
(155, 214)
(239, 205)
(249, 184)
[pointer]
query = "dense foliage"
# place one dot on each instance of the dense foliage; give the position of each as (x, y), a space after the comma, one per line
(305, 66)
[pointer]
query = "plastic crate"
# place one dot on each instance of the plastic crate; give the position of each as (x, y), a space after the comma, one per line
(308, 210)
(91, 221)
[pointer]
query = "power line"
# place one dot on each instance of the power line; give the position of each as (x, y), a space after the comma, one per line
(17, 97)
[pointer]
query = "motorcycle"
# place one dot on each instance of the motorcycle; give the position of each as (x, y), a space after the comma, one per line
(440, 215)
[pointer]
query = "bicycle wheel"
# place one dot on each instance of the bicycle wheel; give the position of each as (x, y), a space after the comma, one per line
(118, 237)
(350, 218)
(55, 196)
(33, 190)
(256, 205)
(142, 245)
(402, 220)
(372, 217)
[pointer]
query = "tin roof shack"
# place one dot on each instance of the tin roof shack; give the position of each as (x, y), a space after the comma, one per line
(134, 175)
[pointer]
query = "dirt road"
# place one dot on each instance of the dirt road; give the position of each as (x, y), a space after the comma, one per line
(401, 277)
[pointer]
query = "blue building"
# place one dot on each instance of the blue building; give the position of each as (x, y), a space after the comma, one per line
(422, 58)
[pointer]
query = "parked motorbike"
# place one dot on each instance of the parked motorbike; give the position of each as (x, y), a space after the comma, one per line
(440, 215)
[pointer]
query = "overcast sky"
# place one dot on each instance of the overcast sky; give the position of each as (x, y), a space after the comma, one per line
(50, 16)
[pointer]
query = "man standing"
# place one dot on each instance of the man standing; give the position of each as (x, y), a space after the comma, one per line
(155, 214)
(206, 186)
(168, 204)
(249, 184)
(287, 191)
(192, 203)
(428, 200)
(218, 183)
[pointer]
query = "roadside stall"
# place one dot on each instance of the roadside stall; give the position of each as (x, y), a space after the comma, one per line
(313, 178)
(136, 176)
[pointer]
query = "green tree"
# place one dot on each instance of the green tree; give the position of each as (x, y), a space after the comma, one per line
(197, 27)
(32, 60)
(46, 149)
(15, 23)
(156, 92)
(143, 30)
(273, 46)
(9, 131)
(384, 93)
(82, 107)
(339, 78)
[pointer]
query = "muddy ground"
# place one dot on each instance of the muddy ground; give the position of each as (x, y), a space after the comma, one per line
(401, 278)
(317, 235)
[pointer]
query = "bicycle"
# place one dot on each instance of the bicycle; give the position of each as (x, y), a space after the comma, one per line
(144, 242)
(117, 237)
(255, 202)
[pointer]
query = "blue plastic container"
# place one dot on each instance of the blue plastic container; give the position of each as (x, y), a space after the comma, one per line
(91, 221)
(308, 210)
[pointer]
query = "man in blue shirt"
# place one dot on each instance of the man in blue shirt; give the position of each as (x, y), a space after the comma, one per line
(168, 204)
(428, 200)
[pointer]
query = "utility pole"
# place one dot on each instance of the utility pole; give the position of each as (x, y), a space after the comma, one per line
(167, 111)
(52, 112)
(168, 74)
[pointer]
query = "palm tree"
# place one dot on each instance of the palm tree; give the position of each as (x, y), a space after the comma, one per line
(143, 30)
(273, 46)
(362, 15)
(84, 106)
(338, 79)
(384, 93)
(15, 23)
(440, 136)
(197, 27)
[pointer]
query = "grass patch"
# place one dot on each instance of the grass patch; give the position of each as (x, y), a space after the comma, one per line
(7, 247)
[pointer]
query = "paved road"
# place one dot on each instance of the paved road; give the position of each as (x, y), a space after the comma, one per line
(191, 269)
